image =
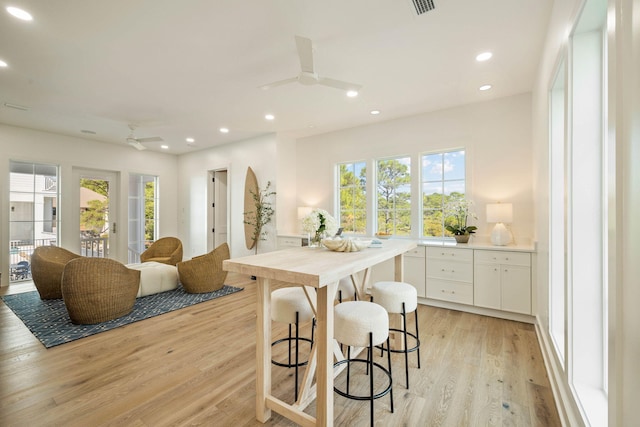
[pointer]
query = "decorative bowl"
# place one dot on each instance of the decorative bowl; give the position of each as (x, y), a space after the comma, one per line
(383, 236)
(346, 245)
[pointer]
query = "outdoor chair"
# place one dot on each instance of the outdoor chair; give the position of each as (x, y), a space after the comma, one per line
(167, 250)
(47, 265)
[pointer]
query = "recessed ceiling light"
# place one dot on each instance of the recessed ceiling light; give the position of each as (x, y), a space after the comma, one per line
(164, 147)
(190, 140)
(16, 106)
(485, 87)
(375, 112)
(484, 56)
(352, 93)
(224, 130)
(3, 64)
(269, 116)
(19, 13)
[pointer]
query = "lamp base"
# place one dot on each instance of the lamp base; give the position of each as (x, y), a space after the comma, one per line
(500, 236)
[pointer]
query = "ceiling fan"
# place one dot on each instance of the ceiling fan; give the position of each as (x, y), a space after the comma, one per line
(137, 142)
(307, 75)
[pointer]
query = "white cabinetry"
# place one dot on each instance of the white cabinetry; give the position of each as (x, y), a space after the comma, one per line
(285, 242)
(450, 274)
(414, 270)
(502, 280)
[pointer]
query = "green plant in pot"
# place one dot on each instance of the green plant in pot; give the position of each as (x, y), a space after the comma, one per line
(458, 211)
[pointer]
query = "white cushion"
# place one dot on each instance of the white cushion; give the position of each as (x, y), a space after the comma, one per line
(354, 320)
(155, 277)
(391, 295)
(285, 302)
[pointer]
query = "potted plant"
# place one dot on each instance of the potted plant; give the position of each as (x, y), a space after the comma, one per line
(319, 224)
(458, 211)
(263, 214)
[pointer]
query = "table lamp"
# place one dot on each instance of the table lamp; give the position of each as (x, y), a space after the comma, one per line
(500, 213)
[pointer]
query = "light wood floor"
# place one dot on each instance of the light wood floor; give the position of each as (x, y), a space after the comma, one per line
(196, 366)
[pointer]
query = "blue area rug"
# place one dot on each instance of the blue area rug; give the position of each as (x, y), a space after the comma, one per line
(49, 321)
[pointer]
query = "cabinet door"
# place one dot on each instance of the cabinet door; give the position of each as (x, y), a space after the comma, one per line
(486, 286)
(516, 288)
(414, 273)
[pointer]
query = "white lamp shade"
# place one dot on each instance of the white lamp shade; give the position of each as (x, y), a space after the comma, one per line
(304, 211)
(500, 212)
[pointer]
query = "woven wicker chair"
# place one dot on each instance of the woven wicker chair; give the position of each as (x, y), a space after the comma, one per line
(204, 273)
(167, 250)
(98, 289)
(47, 264)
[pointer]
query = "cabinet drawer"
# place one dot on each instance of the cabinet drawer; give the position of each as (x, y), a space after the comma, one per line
(502, 257)
(450, 270)
(450, 254)
(417, 252)
(450, 291)
(285, 242)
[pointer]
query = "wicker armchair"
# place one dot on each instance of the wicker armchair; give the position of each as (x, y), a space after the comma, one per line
(47, 264)
(167, 250)
(98, 289)
(204, 273)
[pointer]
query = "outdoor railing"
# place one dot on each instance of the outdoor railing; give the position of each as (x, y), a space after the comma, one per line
(95, 247)
(20, 253)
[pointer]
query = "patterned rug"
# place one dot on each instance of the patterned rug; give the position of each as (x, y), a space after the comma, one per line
(49, 322)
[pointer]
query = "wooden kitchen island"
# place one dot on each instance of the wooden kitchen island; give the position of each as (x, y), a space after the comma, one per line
(316, 268)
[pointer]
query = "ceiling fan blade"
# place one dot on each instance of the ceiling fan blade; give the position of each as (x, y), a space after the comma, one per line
(150, 139)
(135, 144)
(279, 83)
(338, 84)
(305, 53)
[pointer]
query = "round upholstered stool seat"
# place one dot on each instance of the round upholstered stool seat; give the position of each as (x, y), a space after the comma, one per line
(292, 306)
(400, 298)
(286, 302)
(391, 295)
(363, 324)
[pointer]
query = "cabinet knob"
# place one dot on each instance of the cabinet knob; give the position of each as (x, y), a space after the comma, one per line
(442, 254)
(506, 258)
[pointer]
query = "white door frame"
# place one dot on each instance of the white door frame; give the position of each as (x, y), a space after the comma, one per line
(218, 195)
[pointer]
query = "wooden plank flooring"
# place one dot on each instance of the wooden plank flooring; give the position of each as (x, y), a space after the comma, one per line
(196, 366)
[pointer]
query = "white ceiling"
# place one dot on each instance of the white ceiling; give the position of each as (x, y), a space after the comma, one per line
(183, 69)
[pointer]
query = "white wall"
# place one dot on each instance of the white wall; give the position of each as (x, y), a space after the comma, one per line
(29, 145)
(624, 229)
(496, 135)
(193, 173)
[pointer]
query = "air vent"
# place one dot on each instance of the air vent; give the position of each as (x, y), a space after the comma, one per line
(422, 6)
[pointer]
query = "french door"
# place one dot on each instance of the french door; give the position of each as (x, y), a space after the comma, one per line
(97, 212)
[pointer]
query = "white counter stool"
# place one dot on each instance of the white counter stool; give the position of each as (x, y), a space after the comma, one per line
(291, 306)
(363, 324)
(400, 298)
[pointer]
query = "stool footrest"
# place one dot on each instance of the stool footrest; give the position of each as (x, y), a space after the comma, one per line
(375, 396)
(290, 365)
(407, 350)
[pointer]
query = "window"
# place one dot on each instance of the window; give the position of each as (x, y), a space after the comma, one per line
(394, 196)
(352, 178)
(143, 219)
(33, 216)
(442, 179)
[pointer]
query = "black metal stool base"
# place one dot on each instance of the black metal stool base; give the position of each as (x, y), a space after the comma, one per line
(292, 364)
(356, 397)
(370, 368)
